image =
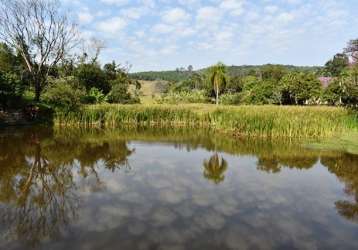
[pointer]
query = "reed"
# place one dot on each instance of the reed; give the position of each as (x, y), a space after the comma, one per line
(258, 121)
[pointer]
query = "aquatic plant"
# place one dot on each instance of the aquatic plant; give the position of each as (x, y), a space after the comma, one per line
(260, 121)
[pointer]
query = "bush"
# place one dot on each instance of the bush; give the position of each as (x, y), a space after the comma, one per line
(64, 94)
(90, 75)
(260, 92)
(198, 96)
(120, 94)
(350, 87)
(94, 96)
(230, 99)
(11, 90)
(300, 88)
(332, 95)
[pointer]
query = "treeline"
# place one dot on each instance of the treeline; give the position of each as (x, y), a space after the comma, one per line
(170, 76)
(182, 74)
(38, 66)
(334, 84)
(72, 82)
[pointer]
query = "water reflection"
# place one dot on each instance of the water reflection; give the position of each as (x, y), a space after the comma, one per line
(38, 179)
(68, 186)
(345, 167)
(214, 168)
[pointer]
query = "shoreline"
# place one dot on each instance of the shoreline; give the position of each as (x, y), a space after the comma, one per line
(240, 121)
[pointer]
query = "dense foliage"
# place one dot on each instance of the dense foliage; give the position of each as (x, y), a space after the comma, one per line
(183, 74)
(70, 84)
(83, 80)
(334, 84)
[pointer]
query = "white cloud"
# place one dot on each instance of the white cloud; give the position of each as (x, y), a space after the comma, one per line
(271, 9)
(225, 28)
(133, 13)
(162, 28)
(175, 15)
(286, 17)
(234, 7)
(84, 16)
(115, 2)
(111, 25)
(208, 14)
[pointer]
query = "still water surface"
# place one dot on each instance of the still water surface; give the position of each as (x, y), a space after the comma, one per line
(172, 189)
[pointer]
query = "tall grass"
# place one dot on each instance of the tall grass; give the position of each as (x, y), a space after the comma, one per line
(260, 121)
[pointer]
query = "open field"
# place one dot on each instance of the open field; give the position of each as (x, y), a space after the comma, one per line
(150, 89)
(260, 121)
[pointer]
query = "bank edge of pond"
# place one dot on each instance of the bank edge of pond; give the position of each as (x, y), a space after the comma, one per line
(346, 143)
(257, 121)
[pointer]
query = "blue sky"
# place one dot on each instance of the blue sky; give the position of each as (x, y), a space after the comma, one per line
(166, 34)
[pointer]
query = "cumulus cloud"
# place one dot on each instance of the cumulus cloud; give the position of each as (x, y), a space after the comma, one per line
(115, 2)
(233, 28)
(85, 16)
(111, 25)
(175, 15)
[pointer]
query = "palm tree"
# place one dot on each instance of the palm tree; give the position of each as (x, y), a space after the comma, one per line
(217, 78)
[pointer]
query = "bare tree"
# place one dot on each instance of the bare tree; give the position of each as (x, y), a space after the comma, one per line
(39, 32)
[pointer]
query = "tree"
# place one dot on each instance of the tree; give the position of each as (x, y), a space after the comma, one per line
(352, 50)
(261, 92)
(235, 84)
(190, 68)
(217, 78)
(11, 89)
(64, 94)
(7, 58)
(90, 75)
(349, 83)
(110, 70)
(299, 88)
(335, 66)
(273, 72)
(40, 32)
(332, 95)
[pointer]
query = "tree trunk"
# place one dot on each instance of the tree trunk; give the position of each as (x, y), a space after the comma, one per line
(37, 93)
(37, 84)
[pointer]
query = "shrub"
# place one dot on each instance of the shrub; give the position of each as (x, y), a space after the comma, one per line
(94, 96)
(120, 94)
(332, 95)
(11, 90)
(261, 92)
(300, 88)
(64, 94)
(90, 75)
(198, 96)
(230, 99)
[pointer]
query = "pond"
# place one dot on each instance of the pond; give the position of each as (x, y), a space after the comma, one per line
(172, 189)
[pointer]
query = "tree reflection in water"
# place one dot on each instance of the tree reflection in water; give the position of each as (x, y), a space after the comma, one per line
(214, 168)
(37, 180)
(39, 171)
(345, 167)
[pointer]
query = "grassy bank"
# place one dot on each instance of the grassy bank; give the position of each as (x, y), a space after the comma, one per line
(263, 121)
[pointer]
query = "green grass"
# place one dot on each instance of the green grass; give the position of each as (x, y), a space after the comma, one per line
(258, 121)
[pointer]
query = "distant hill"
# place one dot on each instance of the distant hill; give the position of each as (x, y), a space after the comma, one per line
(179, 75)
(170, 76)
